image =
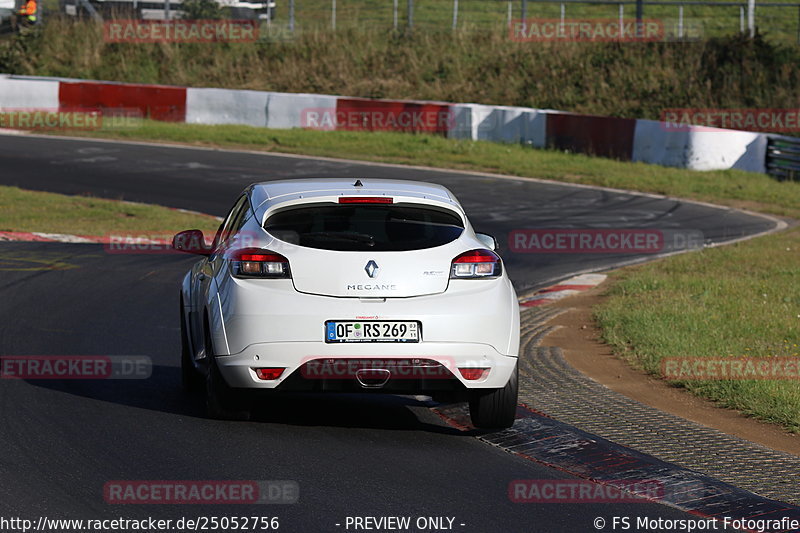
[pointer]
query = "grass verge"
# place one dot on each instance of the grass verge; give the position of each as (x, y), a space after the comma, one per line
(737, 301)
(729, 187)
(22, 210)
(742, 299)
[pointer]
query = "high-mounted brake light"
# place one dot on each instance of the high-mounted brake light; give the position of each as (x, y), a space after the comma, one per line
(365, 200)
(258, 263)
(476, 264)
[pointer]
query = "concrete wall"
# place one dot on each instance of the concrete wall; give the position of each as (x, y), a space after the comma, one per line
(290, 110)
(28, 93)
(223, 106)
(696, 148)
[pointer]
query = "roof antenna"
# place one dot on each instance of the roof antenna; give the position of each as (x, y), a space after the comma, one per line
(358, 184)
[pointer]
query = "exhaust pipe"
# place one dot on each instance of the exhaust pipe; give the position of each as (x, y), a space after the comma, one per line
(373, 378)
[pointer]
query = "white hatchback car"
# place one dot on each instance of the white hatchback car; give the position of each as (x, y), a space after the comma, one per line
(367, 285)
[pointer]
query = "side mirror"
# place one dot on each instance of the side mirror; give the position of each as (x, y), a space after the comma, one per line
(191, 241)
(487, 240)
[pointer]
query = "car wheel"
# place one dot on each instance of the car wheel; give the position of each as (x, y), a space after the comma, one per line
(222, 402)
(191, 380)
(495, 408)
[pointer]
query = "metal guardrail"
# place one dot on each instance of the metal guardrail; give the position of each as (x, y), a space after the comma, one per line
(682, 19)
(765, 16)
(783, 157)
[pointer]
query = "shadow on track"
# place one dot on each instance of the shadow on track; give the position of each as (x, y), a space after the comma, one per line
(162, 392)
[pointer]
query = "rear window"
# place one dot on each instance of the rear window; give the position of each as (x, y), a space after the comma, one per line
(374, 228)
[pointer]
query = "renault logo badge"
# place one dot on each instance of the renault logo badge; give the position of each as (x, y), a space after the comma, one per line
(372, 269)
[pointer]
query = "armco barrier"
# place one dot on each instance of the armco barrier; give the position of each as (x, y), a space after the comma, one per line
(783, 157)
(587, 134)
(697, 148)
(157, 102)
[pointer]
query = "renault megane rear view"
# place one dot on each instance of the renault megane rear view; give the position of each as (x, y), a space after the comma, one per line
(337, 285)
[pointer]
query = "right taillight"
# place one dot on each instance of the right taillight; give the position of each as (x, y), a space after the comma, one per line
(476, 264)
(474, 374)
(258, 263)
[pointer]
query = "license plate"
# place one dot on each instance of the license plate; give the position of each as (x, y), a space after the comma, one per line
(372, 331)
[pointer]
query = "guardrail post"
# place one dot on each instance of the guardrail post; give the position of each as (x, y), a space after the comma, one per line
(90, 9)
(680, 22)
(291, 16)
(508, 17)
(394, 14)
(639, 17)
(455, 15)
(333, 14)
(410, 14)
(751, 17)
(741, 19)
(524, 9)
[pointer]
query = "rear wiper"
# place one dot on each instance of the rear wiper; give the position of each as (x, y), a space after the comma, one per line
(343, 236)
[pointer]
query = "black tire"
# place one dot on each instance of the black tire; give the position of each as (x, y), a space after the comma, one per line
(222, 401)
(495, 408)
(191, 379)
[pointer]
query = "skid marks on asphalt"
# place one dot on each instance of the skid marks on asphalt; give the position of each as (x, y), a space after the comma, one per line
(25, 261)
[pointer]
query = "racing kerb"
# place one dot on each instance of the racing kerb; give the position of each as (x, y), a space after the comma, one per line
(648, 141)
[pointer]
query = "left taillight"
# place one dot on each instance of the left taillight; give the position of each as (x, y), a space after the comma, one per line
(476, 264)
(258, 263)
(269, 374)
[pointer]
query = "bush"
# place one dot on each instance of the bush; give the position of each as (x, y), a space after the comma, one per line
(202, 10)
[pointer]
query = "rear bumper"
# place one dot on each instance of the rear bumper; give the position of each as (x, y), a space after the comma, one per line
(272, 312)
(344, 360)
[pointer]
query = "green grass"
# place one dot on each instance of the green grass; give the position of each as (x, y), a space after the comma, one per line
(23, 210)
(742, 299)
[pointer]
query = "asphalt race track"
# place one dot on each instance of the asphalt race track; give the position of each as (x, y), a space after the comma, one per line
(210, 180)
(62, 441)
